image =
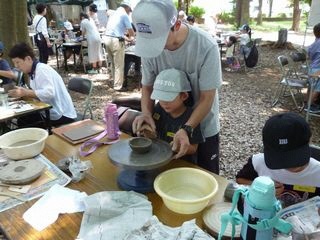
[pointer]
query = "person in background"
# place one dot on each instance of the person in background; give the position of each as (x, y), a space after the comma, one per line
(93, 16)
(245, 38)
(232, 60)
(174, 108)
(118, 25)
(165, 42)
(6, 74)
(191, 20)
(285, 159)
(92, 35)
(40, 26)
(314, 68)
(46, 85)
(182, 16)
(67, 35)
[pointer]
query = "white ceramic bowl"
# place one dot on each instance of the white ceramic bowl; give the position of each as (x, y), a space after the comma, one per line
(23, 143)
(186, 190)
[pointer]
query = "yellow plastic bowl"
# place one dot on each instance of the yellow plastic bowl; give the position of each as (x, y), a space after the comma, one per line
(186, 190)
(23, 143)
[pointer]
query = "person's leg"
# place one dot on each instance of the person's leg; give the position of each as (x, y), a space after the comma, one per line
(61, 121)
(208, 154)
(108, 47)
(43, 52)
(118, 64)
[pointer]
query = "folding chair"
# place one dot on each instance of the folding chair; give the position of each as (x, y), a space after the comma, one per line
(289, 81)
(83, 86)
(300, 66)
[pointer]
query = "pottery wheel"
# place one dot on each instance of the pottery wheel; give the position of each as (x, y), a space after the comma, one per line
(21, 172)
(211, 218)
(122, 155)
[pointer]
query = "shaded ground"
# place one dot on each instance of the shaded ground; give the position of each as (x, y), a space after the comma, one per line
(245, 104)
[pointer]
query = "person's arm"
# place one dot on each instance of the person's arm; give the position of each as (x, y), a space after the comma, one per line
(7, 74)
(192, 149)
(18, 92)
(181, 141)
(147, 105)
(247, 174)
(44, 30)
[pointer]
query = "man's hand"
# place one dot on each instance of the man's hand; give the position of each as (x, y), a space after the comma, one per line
(140, 120)
(180, 143)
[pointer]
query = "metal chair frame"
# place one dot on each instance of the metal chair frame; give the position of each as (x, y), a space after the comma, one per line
(83, 86)
(291, 82)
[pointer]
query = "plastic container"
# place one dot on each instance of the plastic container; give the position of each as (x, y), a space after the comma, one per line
(23, 143)
(112, 121)
(186, 190)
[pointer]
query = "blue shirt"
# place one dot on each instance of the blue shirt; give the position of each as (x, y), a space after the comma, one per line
(314, 54)
(118, 23)
(4, 66)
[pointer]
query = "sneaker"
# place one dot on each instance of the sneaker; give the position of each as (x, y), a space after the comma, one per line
(314, 108)
(228, 69)
(92, 71)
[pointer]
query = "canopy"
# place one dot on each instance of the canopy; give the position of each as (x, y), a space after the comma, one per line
(314, 14)
(83, 3)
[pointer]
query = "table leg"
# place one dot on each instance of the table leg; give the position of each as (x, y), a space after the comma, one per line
(48, 122)
(65, 60)
(57, 55)
(74, 59)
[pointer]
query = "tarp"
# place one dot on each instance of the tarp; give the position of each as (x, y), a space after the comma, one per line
(314, 14)
(62, 2)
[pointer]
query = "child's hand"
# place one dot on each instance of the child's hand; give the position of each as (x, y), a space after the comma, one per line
(140, 120)
(147, 131)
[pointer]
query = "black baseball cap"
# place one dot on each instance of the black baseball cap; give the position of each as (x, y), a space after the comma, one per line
(286, 141)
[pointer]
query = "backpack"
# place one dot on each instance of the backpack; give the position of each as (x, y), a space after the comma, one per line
(252, 59)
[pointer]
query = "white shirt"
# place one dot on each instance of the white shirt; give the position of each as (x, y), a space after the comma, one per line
(42, 26)
(50, 88)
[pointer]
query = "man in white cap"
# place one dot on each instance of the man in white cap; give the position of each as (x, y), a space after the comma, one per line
(114, 41)
(165, 42)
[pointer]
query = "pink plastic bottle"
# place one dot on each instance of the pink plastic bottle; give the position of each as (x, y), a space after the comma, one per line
(112, 122)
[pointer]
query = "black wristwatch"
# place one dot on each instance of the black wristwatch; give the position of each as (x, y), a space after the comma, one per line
(188, 129)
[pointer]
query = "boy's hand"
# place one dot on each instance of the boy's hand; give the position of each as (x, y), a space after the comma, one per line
(180, 143)
(17, 92)
(147, 131)
(140, 120)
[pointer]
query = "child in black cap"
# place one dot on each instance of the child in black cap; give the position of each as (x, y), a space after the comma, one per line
(286, 159)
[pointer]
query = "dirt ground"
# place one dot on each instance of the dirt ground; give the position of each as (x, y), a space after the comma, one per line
(245, 104)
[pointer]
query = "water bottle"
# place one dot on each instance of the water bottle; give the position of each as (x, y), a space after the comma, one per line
(259, 214)
(111, 120)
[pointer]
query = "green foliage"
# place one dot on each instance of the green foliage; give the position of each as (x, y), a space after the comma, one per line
(226, 17)
(196, 11)
(282, 15)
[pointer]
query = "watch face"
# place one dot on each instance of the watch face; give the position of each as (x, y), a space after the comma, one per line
(188, 129)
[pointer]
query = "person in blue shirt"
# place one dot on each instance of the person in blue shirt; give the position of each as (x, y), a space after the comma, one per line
(6, 74)
(314, 56)
(118, 25)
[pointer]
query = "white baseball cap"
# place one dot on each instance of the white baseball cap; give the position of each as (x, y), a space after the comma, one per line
(153, 20)
(68, 25)
(169, 83)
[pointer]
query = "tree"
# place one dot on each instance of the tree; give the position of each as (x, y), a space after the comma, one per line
(259, 17)
(270, 8)
(242, 12)
(296, 15)
(112, 4)
(13, 23)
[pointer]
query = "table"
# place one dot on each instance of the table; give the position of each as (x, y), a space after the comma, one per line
(72, 46)
(37, 107)
(102, 177)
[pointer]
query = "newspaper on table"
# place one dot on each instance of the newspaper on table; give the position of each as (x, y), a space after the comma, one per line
(304, 216)
(51, 175)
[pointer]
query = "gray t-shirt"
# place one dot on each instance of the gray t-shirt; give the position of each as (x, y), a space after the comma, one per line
(199, 58)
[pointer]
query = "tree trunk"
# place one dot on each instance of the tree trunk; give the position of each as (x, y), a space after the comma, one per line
(270, 8)
(13, 23)
(242, 12)
(296, 16)
(179, 4)
(259, 18)
(112, 4)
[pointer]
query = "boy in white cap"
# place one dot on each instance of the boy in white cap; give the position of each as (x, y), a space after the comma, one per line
(172, 89)
(285, 159)
(6, 74)
(163, 42)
